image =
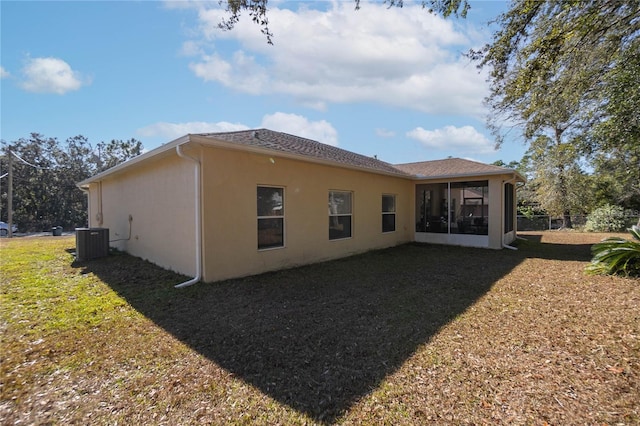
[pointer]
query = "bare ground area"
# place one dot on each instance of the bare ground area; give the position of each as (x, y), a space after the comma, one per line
(415, 334)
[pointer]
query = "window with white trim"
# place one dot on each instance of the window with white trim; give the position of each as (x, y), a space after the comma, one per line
(270, 202)
(388, 213)
(340, 214)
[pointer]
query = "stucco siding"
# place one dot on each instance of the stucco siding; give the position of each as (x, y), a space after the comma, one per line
(159, 198)
(230, 181)
(158, 192)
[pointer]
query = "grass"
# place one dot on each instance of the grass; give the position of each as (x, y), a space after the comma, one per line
(410, 335)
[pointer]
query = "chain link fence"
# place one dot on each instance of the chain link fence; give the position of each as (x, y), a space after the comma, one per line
(545, 222)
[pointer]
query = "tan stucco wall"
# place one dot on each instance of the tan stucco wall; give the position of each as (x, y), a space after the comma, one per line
(159, 196)
(230, 180)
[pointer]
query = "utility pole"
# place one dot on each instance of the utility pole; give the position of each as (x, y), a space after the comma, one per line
(10, 195)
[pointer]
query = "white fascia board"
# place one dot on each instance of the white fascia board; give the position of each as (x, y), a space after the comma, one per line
(517, 175)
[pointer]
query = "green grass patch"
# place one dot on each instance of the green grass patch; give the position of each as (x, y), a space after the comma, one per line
(415, 334)
(43, 294)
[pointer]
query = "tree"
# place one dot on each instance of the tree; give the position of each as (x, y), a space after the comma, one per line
(45, 174)
(550, 75)
(74, 163)
(34, 183)
(117, 151)
(558, 181)
(258, 10)
(614, 144)
(513, 164)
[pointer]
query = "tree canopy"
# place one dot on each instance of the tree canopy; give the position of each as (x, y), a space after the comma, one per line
(558, 59)
(45, 174)
(614, 143)
(563, 73)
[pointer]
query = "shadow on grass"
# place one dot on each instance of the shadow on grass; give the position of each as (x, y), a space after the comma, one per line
(533, 247)
(318, 337)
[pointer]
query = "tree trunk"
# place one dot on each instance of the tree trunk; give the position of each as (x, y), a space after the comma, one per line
(566, 220)
(564, 191)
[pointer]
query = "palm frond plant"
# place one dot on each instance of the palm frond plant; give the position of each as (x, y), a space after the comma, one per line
(617, 255)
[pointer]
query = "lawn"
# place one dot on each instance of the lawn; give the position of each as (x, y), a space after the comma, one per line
(410, 335)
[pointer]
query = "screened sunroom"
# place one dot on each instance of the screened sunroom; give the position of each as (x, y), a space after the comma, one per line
(453, 208)
(475, 213)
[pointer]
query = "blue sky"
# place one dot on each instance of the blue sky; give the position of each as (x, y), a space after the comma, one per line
(378, 81)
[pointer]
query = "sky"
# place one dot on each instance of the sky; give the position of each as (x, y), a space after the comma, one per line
(389, 82)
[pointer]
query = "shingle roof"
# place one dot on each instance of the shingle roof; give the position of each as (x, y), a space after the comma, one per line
(264, 139)
(450, 167)
(283, 142)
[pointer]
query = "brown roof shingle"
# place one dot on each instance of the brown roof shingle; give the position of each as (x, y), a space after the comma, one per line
(284, 142)
(450, 167)
(307, 148)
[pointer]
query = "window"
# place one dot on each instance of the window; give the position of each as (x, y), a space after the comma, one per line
(340, 214)
(270, 217)
(388, 213)
(508, 207)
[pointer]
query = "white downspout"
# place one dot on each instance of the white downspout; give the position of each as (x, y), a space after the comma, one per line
(99, 215)
(504, 182)
(198, 220)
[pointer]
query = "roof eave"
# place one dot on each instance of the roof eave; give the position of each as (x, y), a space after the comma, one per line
(208, 140)
(516, 174)
(212, 141)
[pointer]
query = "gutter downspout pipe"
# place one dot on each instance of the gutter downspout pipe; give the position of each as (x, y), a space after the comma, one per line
(198, 220)
(504, 183)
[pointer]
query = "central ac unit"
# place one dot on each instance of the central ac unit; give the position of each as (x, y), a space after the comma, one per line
(91, 243)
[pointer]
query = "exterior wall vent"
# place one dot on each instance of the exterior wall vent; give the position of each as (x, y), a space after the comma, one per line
(91, 243)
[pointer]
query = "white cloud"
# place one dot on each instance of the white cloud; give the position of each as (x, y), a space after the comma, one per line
(51, 75)
(298, 125)
(241, 70)
(395, 56)
(191, 48)
(321, 131)
(465, 139)
(176, 130)
(4, 73)
(384, 133)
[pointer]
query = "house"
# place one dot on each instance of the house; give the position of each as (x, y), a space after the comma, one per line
(223, 205)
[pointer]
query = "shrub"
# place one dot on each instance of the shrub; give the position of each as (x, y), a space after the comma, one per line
(607, 218)
(617, 256)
